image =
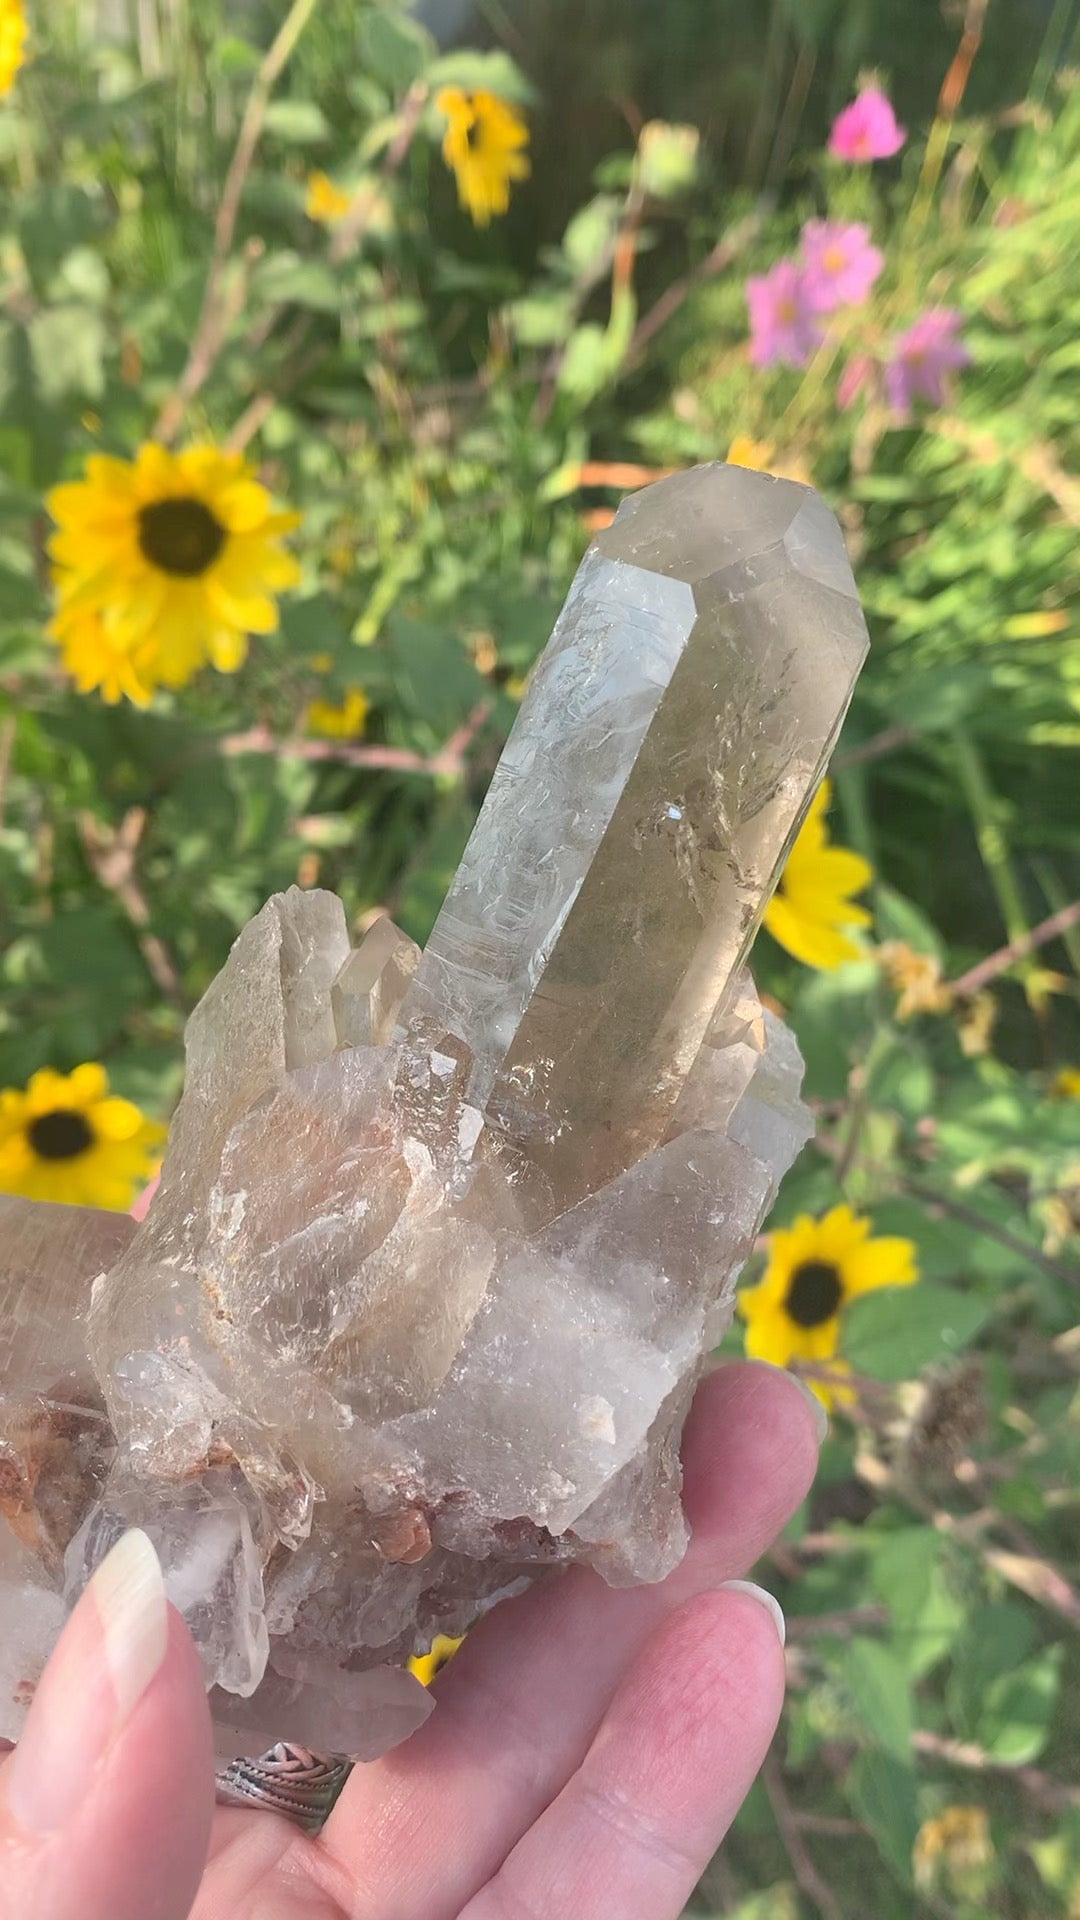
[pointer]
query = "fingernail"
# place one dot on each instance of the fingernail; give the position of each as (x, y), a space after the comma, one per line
(767, 1600)
(105, 1659)
(821, 1418)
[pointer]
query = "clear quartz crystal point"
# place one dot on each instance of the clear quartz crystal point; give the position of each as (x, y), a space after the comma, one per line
(666, 752)
(442, 1241)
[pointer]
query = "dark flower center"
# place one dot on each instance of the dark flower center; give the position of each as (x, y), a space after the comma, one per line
(180, 536)
(814, 1293)
(60, 1135)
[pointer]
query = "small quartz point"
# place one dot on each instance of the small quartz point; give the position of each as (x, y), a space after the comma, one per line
(366, 996)
(443, 1241)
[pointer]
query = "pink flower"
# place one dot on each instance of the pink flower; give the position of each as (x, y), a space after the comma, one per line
(783, 325)
(841, 264)
(867, 130)
(921, 359)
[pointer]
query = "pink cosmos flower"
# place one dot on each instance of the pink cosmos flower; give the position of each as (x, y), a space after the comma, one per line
(783, 325)
(841, 264)
(867, 129)
(921, 359)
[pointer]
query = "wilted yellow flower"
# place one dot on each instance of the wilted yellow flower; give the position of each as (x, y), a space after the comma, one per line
(339, 721)
(326, 201)
(161, 563)
(12, 42)
(976, 1024)
(483, 145)
(65, 1137)
(426, 1665)
(812, 908)
(917, 978)
(957, 1839)
(815, 1268)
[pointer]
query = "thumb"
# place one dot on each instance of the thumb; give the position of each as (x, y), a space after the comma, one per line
(105, 1805)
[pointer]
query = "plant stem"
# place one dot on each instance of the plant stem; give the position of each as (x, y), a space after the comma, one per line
(218, 310)
(985, 809)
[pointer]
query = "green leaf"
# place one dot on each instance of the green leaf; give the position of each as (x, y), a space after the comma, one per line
(493, 72)
(999, 1638)
(1019, 1709)
(879, 1690)
(881, 1789)
(893, 1334)
(309, 283)
(906, 1571)
(52, 221)
(299, 122)
(393, 49)
(898, 918)
(67, 348)
(590, 234)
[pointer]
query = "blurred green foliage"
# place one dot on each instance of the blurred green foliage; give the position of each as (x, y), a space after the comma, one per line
(449, 413)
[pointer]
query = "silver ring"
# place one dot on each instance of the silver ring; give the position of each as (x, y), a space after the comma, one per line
(288, 1779)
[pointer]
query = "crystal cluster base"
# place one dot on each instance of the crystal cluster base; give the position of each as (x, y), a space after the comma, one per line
(442, 1240)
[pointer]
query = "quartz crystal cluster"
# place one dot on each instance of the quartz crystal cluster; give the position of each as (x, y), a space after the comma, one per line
(443, 1239)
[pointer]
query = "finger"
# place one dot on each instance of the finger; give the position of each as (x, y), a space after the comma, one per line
(105, 1804)
(634, 1828)
(427, 1826)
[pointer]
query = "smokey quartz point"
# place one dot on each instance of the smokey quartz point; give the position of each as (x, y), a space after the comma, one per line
(443, 1240)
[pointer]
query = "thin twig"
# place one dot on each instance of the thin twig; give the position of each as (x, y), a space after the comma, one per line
(216, 314)
(349, 230)
(879, 744)
(723, 255)
(964, 1753)
(1005, 957)
(449, 760)
(971, 1217)
(112, 858)
(806, 1874)
(957, 1210)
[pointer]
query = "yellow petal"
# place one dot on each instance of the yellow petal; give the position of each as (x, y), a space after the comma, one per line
(888, 1262)
(811, 941)
(88, 1084)
(838, 1231)
(116, 1119)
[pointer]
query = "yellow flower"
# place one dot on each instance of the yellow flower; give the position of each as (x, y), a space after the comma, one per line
(958, 1840)
(745, 452)
(815, 1267)
(12, 42)
(811, 908)
(344, 722)
(100, 663)
(326, 201)
(426, 1665)
(1066, 1084)
(761, 456)
(482, 144)
(65, 1137)
(177, 557)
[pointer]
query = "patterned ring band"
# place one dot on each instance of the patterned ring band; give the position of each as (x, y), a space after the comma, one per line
(288, 1779)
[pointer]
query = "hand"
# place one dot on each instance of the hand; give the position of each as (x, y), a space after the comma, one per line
(589, 1750)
